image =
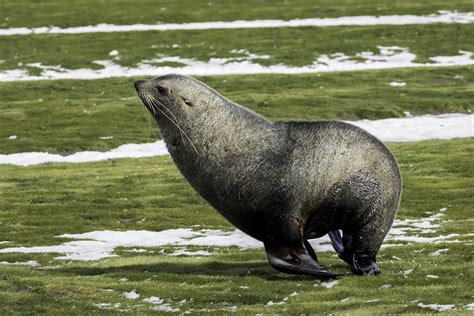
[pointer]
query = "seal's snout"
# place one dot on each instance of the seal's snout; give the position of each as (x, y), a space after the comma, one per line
(138, 83)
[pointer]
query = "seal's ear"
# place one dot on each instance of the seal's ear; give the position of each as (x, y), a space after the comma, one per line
(187, 101)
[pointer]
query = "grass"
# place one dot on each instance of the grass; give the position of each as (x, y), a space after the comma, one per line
(69, 115)
(40, 202)
(290, 46)
(59, 13)
(117, 195)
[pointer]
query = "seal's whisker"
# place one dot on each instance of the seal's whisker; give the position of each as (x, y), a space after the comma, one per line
(156, 106)
(150, 128)
(181, 131)
(175, 119)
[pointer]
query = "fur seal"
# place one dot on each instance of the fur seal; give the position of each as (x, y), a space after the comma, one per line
(281, 183)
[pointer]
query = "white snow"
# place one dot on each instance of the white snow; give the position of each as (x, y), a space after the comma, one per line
(153, 300)
(439, 252)
(330, 284)
(114, 53)
(445, 17)
(101, 244)
(397, 84)
(470, 307)
(185, 252)
(432, 276)
(12, 137)
(388, 57)
(31, 263)
(271, 303)
(407, 129)
(108, 306)
(157, 148)
(424, 127)
(134, 250)
(132, 295)
(4, 242)
(437, 307)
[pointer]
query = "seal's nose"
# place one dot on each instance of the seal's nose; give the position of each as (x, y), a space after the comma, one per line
(137, 83)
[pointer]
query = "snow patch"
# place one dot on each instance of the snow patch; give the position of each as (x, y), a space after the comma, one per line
(271, 303)
(31, 263)
(445, 17)
(185, 252)
(157, 148)
(438, 252)
(101, 244)
(470, 307)
(132, 295)
(388, 57)
(431, 276)
(160, 305)
(437, 307)
(397, 84)
(329, 285)
(153, 300)
(407, 129)
(418, 128)
(12, 137)
(114, 53)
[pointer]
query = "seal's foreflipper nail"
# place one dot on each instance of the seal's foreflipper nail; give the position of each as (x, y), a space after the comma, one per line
(336, 241)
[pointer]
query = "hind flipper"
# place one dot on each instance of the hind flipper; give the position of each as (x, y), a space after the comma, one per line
(295, 260)
(336, 241)
(343, 245)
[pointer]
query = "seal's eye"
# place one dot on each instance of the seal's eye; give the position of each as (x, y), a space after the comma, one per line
(161, 89)
(187, 101)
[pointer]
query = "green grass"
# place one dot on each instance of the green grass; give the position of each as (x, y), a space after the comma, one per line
(77, 12)
(290, 46)
(47, 200)
(72, 115)
(40, 202)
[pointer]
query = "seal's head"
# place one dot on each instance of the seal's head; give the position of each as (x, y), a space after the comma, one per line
(168, 95)
(189, 111)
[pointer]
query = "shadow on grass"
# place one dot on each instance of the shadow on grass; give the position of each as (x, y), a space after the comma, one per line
(214, 268)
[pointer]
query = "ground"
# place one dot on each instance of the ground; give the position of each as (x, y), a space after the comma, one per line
(427, 264)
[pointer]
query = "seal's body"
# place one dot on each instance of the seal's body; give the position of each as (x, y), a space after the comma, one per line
(282, 183)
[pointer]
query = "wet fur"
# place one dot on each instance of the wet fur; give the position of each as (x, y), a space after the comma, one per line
(280, 182)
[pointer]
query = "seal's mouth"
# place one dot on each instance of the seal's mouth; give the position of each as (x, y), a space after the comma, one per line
(139, 87)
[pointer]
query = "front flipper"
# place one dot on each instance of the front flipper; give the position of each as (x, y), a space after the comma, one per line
(360, 263)
(295, 260)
